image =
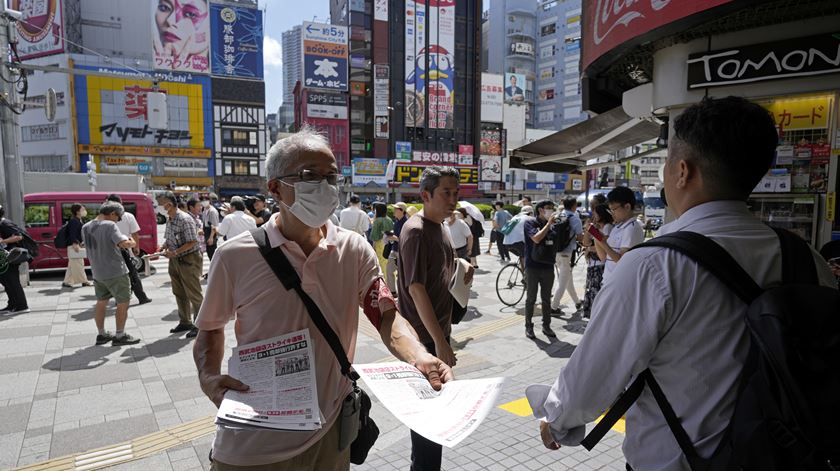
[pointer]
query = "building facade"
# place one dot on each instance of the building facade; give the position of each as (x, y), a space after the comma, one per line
(292, 72)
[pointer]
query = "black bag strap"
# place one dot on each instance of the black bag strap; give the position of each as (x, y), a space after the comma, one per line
(798, 264)
(287, 275)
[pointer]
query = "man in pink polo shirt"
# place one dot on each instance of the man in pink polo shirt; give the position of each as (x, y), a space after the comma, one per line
(338, 269)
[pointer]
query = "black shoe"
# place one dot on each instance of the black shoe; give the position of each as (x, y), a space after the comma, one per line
(19, 310)
(529, 332)
(556, 311)
(548, 332)
(144, 301)
(7, 309)
(180, 328)
(102, 339)
(579, 305)
(125, 340)
(192, 333)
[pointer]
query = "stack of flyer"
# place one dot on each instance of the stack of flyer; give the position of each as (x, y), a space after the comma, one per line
(283, 394)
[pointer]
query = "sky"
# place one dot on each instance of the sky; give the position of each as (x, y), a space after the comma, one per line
(280, 16)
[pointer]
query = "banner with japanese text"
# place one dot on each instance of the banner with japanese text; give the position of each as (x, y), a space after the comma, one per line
(325, 55)
(237, 38)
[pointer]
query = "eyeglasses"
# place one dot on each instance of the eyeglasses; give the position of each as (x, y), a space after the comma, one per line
(308, 176)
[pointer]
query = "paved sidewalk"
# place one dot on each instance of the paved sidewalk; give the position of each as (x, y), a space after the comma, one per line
(60, 395)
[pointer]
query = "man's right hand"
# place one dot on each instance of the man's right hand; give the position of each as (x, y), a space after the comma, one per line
(215, 387)
(445, 353)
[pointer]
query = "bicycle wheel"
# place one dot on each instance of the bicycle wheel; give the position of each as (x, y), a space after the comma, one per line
(509, 284)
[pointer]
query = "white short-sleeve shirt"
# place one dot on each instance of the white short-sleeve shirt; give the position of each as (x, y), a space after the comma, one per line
(128, 225)
(628, 234)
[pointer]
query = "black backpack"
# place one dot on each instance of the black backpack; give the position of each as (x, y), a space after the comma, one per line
(61, 240)
(563, 235)
(787, 411)
(27, 242)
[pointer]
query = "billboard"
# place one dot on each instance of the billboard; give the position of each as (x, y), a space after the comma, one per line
(490, 168)
(381, 96)
(181, 35)
(608, 24)
(491, 142)
(326, 105)
(410, 174)
(41, 31)
(430, 71)
(370, 171)
(402, 150)
(237, 40)
(324, 56)
(114, 115)
(514, 88)
(492, 98)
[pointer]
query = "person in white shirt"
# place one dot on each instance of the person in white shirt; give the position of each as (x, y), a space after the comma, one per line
(565, 281)
(128, 227)
(236, 222)
(462, 238)
(515, 240)
(660, 310)
(627, 230)
(353, 218)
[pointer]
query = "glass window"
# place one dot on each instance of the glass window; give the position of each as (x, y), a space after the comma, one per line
(37, 214)
(239, 137)
(241, 167)
(255, 167)
(92, 210)
(252, 138)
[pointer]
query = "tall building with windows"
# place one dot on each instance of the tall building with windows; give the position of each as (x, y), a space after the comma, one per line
(292, 72)
(512, 47)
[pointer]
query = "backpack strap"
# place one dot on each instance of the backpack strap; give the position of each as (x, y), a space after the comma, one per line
(287, 275)
(798, 264)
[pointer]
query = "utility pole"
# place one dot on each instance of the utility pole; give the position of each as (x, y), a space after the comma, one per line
(11, 183)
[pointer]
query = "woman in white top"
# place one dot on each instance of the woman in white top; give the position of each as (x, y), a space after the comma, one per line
(462, 238)
(602, 220)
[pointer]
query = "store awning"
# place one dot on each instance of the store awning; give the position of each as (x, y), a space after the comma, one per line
(570, 148)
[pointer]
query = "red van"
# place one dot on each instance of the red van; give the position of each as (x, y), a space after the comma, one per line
(45, 213)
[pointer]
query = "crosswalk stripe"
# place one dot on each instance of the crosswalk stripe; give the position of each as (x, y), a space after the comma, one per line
(520, 407)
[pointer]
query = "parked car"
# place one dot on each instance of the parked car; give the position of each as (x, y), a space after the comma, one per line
(45, 213)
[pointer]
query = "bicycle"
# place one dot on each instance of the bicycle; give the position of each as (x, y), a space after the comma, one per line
(510, 283)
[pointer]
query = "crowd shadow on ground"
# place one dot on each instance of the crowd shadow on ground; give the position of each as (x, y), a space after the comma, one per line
(86, 358)
(160, 348)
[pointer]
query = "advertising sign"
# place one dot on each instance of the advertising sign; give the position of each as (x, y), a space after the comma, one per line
(326, 105)
(514, 88)
(370, 170)
(465, 155)
(380, 127)
(381, 96)
(41, 31)
(380, 10)
(430, 71)
(410, 174)
(798, 57)
(490, 168)
(324, 56)
(402, 150)
(491, 142)
(181, 35)
(800, 113)
(435, 157)
(492, 98)
(114, 111)
(237, 38)
(609, 23)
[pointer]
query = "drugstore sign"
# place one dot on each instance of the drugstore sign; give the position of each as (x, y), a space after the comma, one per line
(410, 174)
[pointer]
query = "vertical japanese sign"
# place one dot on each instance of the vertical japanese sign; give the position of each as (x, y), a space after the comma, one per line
(181, 35)
(492, 98)
(380, 10)
(430, 69)
(381, 74)
(40, 32)
(324, 56)
(237, 37)
(415, 40)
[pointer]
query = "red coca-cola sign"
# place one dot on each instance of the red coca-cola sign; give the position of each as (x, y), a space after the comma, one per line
(609, 23)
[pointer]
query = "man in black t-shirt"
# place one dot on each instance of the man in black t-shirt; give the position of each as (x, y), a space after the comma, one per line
(540, 275)
(260, 213)
(10, 279)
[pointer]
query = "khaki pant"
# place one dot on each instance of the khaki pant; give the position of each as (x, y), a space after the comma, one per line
(322, 456)
(391, 273)
(185, 273)
(75, 273)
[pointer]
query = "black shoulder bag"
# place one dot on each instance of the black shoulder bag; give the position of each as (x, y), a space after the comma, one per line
(357, 428)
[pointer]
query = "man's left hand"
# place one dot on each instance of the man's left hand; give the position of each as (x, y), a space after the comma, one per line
(547, 438)
(436, 371)
(170, 254)
(468, 276)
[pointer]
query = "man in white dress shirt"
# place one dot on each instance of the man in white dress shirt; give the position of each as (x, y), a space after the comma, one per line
(128, 227)
(627, 230)
(353, 218)
(660, 310)
(237, 221)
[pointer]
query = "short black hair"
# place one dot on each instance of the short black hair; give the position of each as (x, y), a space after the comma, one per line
(192, 202)
(76, 207)
(731, 140)
(431, 176)
(168, 195)
(115, 198)
(603, 213)
(622, 195)
(569, 202)
(599, 198)
(542, 204)
(355, 199)
(260, 197)
(499, 204)
(380, 209)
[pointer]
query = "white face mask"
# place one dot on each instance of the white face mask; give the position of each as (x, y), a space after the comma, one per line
(314, 203)
(83, 213)
(205, 203)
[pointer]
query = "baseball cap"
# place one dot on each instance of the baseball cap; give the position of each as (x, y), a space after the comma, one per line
(401, 205)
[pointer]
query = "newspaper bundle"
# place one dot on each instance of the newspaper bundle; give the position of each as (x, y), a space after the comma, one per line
(445, 417)
(282, 394)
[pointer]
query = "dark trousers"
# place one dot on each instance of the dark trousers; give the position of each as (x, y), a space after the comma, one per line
(136, 284)
(500, 244)
(11, 282)
(211, 249)
(541, 279)
(426, 455)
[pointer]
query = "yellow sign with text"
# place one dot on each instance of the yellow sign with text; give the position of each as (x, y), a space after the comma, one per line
(800, 113)
(106, 149)
(830, 206)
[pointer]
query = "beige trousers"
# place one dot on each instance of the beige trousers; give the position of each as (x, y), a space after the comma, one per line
(75, 273)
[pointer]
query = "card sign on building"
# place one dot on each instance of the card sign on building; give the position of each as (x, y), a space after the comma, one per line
(326, 105)
(237, 35)
(324, 56)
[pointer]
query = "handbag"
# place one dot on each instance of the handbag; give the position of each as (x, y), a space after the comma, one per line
(357, 428)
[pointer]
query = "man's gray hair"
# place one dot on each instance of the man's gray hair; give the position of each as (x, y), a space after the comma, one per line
(285, 151)
(111, 207)
(430, 179)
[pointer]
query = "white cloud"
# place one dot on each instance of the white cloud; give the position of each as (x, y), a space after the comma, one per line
(272, 52)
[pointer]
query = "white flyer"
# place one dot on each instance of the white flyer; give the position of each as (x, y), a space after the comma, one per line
(283, 394)
(445, 417)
